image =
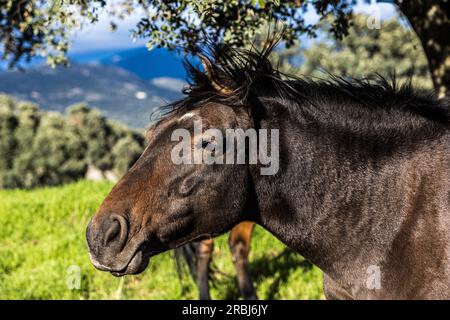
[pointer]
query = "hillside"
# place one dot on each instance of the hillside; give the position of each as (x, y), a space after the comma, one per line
(118, 93)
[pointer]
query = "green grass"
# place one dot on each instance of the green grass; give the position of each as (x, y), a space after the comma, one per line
(42, 236)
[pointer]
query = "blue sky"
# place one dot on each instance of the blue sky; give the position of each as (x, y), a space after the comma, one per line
(98, 36)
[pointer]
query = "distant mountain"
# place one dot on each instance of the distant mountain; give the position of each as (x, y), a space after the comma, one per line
(140, 61)
(125, 84)
(93, 56)
(120, 94)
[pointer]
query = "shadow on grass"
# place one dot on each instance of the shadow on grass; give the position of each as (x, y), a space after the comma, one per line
(277, 268)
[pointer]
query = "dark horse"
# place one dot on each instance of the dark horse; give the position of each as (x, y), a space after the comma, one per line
(362, 190)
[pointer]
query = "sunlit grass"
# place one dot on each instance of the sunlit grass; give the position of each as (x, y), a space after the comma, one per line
(42, 234)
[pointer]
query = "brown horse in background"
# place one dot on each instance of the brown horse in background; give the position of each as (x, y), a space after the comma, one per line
(199, 255)
(362, 191)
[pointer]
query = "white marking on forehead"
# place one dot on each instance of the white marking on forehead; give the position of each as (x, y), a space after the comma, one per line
(186, 116)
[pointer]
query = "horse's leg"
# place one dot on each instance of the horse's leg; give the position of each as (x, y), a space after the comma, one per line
(204, 257)
(239, 242)
(333, 291)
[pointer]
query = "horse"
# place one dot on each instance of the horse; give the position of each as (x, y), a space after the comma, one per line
(199, 255)
(362, 188)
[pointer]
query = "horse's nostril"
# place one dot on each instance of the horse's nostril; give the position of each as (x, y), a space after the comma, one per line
(112, 232)
(117, 232)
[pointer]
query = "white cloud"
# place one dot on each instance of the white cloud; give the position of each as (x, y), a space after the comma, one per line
(140, 95)
(168, 83)
(98, 36)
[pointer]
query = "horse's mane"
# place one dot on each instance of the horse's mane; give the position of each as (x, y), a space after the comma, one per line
(232, 76)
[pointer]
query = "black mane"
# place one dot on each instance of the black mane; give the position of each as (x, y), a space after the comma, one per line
(242, 74)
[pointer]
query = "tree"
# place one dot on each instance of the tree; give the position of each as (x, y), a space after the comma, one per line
(431, 22)
(109, 145)
(30, 27)
(45, 148)
(23, 167)
(53, 151)
(126, 152)
(33, 27)
(362, 53)
(8, 123)
(94, 129)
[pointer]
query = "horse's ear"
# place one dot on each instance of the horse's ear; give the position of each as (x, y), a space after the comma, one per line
(214, 76)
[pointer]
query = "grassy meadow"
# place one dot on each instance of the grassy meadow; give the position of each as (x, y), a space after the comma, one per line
(42, 242)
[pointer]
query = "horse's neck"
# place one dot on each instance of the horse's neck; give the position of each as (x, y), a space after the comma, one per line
(341, 211)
